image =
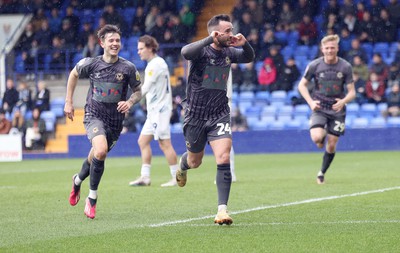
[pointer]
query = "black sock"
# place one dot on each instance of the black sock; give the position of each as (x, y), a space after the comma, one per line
(184, 163)
(326, 161)
(96, 171)
(223, 181)
(84, 173)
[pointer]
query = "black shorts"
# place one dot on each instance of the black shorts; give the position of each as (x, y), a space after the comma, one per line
(334, 122)
(198, 132)
(95, 127)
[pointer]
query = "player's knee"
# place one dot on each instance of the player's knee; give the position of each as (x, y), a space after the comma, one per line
(100, 154)
(193, 163)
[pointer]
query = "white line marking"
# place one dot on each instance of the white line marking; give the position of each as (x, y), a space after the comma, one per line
(307, 201)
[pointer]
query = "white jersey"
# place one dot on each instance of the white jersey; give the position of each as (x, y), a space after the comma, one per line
(157, 86)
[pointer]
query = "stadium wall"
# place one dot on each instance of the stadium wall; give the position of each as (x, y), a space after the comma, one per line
(248, 142)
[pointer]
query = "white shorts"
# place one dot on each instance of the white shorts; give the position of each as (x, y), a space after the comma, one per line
(157, 124)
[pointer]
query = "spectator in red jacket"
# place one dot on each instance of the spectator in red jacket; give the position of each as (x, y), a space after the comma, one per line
(267, 76)
(375, 89)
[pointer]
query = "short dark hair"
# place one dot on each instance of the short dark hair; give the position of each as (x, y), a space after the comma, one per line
(214, 21)
(108, 29)
(149, 42)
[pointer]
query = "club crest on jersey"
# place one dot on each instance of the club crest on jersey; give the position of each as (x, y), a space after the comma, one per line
(137, 76)
(339, 74)
(97, 75)
(227, 60)
(321, 75)
(119, 76)
(95, 130)
(150, 72)
(188, 144)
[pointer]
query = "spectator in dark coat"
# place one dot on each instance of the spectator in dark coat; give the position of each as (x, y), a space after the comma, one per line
(10, 97)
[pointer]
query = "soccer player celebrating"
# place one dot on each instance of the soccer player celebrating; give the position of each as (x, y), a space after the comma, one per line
(207, 113)
(157, 88)
(332, 76)
(110, 77)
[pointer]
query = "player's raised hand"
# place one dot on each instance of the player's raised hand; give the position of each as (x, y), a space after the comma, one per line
(237, 40)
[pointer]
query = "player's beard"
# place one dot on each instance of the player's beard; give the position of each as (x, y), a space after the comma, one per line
(224, 41)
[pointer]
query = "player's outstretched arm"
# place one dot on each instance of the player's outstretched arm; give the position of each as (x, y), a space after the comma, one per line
(71, 84)
(193, 50)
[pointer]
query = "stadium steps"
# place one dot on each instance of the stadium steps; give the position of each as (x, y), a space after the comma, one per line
(60, 143)
(211, 8)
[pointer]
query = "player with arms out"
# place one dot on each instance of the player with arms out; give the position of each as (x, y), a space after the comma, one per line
(110, 77)
(157, 88)
(207, 113)
(332, 76)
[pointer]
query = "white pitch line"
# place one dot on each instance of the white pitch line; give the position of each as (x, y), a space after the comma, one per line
(307, 201)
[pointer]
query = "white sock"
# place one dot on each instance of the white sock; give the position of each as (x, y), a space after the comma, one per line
(222, 207)
(173, 169)
(145, 171)
(77, 180)
(93, 194)
(320, 173)
(232, 162)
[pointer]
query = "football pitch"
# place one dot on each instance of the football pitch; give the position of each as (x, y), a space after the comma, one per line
(276, 206)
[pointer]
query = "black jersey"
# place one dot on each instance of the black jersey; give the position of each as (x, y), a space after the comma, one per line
(109, 84)
(330, 80)
(208, 74)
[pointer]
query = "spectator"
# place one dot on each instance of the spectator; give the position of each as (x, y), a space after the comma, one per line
(179, 90)
(254, 41)
(57, 61)
(55, 21)
(158, 30)
(271, 13)
(359, 85)
(350, 22)
(24, 98)
(303, 8)
(35, 132)
(26, 39)
(112, 17)
(5, 124)
(187, 16)
(394, 73)
(379, 67)
(250, 77)
(345, 40)
(246, 24)
(286, 16)
(87, 30)
(393, 102)
(238, 121)
(277, 58)
(38, 18)
(268, 40)
(180, 32)
(393, 8)
(356, 49)
(42, 97)
(92, 47)
(360, 68)
(138, 22)
(360, 11)
(43, 35)
(331, 8)
(332, 23)
(386, 29)
(346, 7)
(375, 89)
(74, 20)
(68, 35)
(289, 75)
(10, 97)
(375, 7)
(268, 75)
(367, 29)
(308, 31)
(237, 77)
(18, 122)
(256, 11)
(150, 20)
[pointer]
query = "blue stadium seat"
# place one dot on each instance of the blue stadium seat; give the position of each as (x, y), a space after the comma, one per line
(302, 110)
(253, 111)
(278, 97)
(76, 58)
(125, 54)
(302, 51)
(259, 126)
(128, 13)
(261, 98)
(378, 122)
(393, 122)
(360, 123)
(252, 120)
(369, 49)
(286, 110)
(293, 124)
(246, 96)
(50, 119)
(352, 109)
(381, 107)
(313, 52)
(368, 110)
(277, 125)
(287, 52)
(243, 105)
(381, 48)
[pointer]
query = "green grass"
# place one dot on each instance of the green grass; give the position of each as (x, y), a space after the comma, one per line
(276, 206)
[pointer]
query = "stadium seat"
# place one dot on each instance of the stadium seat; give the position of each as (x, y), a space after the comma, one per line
(359, 123)
(286, 110)
(253, 111)
(76, 58)
(246, 96)
(284, 118)
(287, 52)
(278, 97)
(381, 107)
(259, 126)
(302, 51)
(313, 52)
(125, 54)
(381, 48)
(291, 95)
(378, 122)
(293, 124)
(50, 119)
(277, 125)
(262, 97)
(243, 105)
(302, 110)
(368, 110)
(393, 122)
(252, 120)
(269, 110)
(369, 49)
(352, 109)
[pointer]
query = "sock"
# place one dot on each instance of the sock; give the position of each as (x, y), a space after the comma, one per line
(184, 164)
(92, 201)
(326, 161)
(232, 162)
(84, 173)
(222, 207)
(96, 172)
(172, 169)
(145, 171)
(223, 181)
(92, 194)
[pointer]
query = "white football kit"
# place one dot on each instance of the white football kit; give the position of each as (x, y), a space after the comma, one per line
(157, 88)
